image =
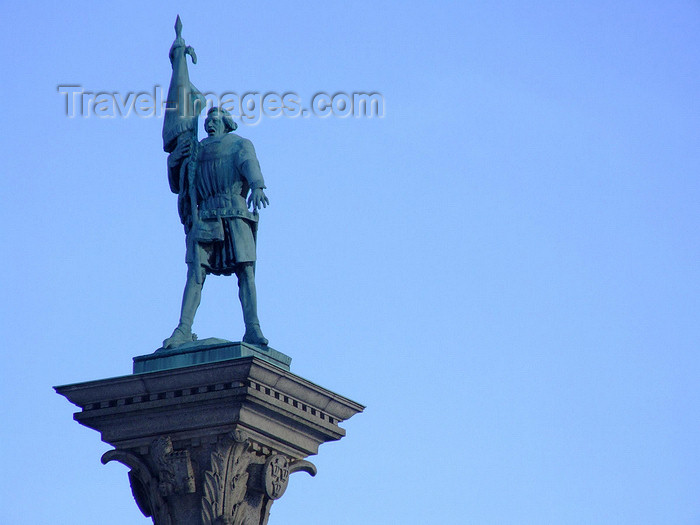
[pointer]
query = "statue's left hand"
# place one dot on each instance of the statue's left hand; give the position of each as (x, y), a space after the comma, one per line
(257, 199)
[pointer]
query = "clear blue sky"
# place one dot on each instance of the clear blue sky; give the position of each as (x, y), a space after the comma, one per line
(504, 268)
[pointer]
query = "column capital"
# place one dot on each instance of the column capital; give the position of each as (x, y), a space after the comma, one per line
(215, 443)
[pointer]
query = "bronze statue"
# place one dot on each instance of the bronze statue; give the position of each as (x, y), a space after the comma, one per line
(220, 189)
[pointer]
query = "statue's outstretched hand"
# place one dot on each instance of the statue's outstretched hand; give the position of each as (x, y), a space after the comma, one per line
(257, 199)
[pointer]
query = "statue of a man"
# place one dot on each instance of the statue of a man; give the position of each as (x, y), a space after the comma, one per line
(220, 229)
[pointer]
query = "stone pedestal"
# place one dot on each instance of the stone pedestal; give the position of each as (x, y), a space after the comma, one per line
(213, 443)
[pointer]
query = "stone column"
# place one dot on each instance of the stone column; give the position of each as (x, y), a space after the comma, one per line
(211, 444)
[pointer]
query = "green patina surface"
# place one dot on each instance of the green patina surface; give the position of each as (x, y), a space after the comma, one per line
(207, 351)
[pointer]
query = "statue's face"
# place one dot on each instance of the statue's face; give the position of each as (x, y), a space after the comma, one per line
(214, 124)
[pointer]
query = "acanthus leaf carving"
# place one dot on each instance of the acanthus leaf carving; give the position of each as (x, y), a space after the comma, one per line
(224, 486)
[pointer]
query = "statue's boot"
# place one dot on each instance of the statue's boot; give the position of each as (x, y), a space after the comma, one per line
(181, 335)
(254, 336)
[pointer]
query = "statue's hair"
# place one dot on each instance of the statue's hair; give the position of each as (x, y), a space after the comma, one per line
(229, 123)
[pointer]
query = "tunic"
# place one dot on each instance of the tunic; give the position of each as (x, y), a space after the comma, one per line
(227, 169)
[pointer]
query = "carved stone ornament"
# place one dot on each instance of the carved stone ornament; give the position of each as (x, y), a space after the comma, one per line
(144, 486)
(276, 476)
(238, 488)
(243, 481)
(174, 468)
(277, 471)
(225, 484)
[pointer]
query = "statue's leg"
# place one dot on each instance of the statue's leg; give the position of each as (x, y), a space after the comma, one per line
(191, 298)
(249, 304)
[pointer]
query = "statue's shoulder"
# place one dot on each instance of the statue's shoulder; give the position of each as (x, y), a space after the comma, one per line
(205, 141)
(236, 140)
(240, 145)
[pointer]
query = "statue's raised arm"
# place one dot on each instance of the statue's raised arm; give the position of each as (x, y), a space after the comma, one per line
(185, 101)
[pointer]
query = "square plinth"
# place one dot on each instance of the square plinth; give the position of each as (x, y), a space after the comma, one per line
(207, 351)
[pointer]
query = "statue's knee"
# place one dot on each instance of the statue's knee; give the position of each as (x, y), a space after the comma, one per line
(246, 271)
(192, 273)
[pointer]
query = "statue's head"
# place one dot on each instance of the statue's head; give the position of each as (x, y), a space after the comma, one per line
(219, 121)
